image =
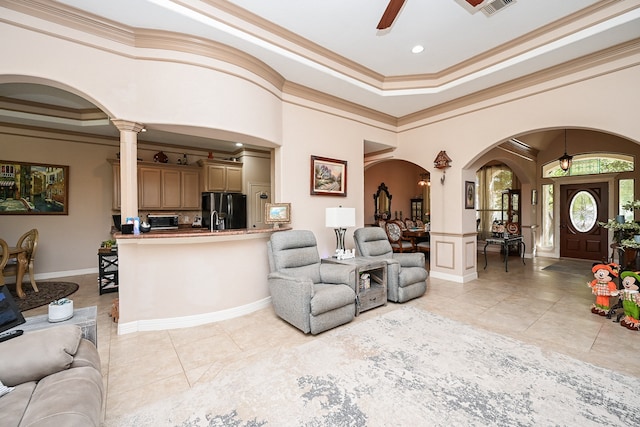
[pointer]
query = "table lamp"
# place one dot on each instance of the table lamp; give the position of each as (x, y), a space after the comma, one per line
(340, 218)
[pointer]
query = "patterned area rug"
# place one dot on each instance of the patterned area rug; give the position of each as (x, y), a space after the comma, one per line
(49, 291)
(406, 367)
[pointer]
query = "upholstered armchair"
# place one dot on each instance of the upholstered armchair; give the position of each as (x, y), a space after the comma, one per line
(406, 275)
(308, 294)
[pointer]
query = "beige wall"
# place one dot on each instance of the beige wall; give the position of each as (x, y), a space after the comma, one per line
(220, 99)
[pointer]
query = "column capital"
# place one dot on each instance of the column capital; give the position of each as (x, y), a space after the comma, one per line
(125, 125)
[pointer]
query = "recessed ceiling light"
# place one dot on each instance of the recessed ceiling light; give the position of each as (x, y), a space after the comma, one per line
(417, 49)
(238, 144)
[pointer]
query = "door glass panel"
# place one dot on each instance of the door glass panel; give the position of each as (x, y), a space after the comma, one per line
(583, 211)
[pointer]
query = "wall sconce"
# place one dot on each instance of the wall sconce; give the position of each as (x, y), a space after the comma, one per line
(442, 162)
(340, 218)
(534, 197)
(565, 160)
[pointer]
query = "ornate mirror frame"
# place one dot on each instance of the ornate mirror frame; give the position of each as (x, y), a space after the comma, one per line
(382, 203)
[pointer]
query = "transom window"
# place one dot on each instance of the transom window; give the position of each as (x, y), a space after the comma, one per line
(591, 164)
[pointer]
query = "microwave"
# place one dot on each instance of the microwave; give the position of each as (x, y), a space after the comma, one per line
(163, 222)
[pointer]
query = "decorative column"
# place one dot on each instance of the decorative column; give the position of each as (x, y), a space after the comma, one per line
(128, 166)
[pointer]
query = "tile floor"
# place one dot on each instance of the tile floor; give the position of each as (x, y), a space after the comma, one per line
(547, 308)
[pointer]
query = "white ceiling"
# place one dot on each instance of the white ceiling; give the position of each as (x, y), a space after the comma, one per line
(333, 45)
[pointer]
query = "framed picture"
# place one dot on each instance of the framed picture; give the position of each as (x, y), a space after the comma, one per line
(277, 213)
(33, 189)
(328, 177)
(469, 194)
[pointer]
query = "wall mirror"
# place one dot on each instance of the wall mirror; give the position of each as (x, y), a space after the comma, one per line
(382, 201)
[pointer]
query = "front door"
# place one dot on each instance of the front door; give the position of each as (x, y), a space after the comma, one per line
(581, 207)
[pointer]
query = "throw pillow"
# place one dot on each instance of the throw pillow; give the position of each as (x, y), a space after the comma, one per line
(4, 389)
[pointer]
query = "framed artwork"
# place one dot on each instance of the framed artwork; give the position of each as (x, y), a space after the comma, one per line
(33, 189)
(328, 177)
(277, 213)
(469, 194)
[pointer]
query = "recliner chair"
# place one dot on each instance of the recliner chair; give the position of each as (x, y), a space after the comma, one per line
(310, 295)
(406, 275)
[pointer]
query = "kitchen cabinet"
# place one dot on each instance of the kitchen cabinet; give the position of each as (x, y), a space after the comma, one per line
(116, 186)
(221, 175)
(162, 186)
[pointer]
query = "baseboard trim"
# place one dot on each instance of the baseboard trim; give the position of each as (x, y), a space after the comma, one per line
(190, 321)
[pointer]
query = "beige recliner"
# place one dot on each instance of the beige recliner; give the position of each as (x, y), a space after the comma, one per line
(406, 274)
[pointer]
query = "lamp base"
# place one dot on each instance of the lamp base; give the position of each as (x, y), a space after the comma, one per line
(340, 232)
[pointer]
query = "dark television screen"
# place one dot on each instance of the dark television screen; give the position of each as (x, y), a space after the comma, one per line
(10, 315)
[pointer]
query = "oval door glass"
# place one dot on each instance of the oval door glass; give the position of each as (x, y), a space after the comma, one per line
(583, 211)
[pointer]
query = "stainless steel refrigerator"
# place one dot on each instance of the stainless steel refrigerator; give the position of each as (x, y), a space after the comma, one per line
(231, 209)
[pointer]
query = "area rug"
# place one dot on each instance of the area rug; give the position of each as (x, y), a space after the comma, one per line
(405, 367)
(49, 291)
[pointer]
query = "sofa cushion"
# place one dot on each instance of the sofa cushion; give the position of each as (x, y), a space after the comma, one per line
(13, 405)
(329, 297)
(36, 354)
(70, 398)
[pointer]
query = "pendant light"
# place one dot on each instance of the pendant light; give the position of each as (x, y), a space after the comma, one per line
(565, 160)
(423, 180)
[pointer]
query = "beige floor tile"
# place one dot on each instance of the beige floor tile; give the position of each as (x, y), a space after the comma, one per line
(550, 309)
(123, 402)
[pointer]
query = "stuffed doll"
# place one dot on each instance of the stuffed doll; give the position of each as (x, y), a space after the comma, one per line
(603, 286)
(630, 299)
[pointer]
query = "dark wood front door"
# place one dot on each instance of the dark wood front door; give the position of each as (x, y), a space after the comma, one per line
(582, 206)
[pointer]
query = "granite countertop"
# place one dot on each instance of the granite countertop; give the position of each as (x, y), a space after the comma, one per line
(188, 231)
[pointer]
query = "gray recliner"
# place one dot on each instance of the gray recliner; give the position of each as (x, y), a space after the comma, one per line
(310, 295)
(406, 275)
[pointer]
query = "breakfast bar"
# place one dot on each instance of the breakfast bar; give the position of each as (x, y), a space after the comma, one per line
(181, 278)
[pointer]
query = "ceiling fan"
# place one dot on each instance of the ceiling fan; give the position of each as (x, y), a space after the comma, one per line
(390, 13)
(394, 6)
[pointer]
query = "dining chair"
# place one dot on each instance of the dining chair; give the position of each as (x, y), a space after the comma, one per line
(28, 241)
(398, 242)
(4, 257)
(409, 223)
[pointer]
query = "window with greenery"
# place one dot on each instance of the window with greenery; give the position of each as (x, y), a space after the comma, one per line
(625, 195)
(546, 205)
(590, 164)
(491, 181)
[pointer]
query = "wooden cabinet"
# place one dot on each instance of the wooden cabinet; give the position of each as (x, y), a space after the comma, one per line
(416, 209)
(221, 175)
(190, 189)
(162, 186)
(116, 186)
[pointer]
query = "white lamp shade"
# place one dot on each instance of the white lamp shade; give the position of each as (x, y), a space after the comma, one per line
(340, 217)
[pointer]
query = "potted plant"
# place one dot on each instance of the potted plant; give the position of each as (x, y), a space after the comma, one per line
(624, 232)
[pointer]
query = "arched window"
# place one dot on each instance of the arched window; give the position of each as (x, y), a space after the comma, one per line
(590, 164)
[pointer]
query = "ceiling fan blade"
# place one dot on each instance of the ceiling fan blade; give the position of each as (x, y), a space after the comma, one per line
(390, 14)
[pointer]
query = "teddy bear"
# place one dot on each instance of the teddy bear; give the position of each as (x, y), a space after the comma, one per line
(630, 299)
(603, 286)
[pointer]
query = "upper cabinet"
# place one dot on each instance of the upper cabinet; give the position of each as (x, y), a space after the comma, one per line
(162, 186)
(221, 175)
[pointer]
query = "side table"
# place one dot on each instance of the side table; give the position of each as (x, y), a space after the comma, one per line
(84, 317)
(505, 242)
(370, 293)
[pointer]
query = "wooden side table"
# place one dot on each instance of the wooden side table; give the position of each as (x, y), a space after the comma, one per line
(372, 293)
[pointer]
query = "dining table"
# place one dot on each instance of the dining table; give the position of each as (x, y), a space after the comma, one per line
(20, 255)
(416, 235)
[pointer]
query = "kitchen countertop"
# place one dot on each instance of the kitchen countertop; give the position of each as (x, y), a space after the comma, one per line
(195, 232)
